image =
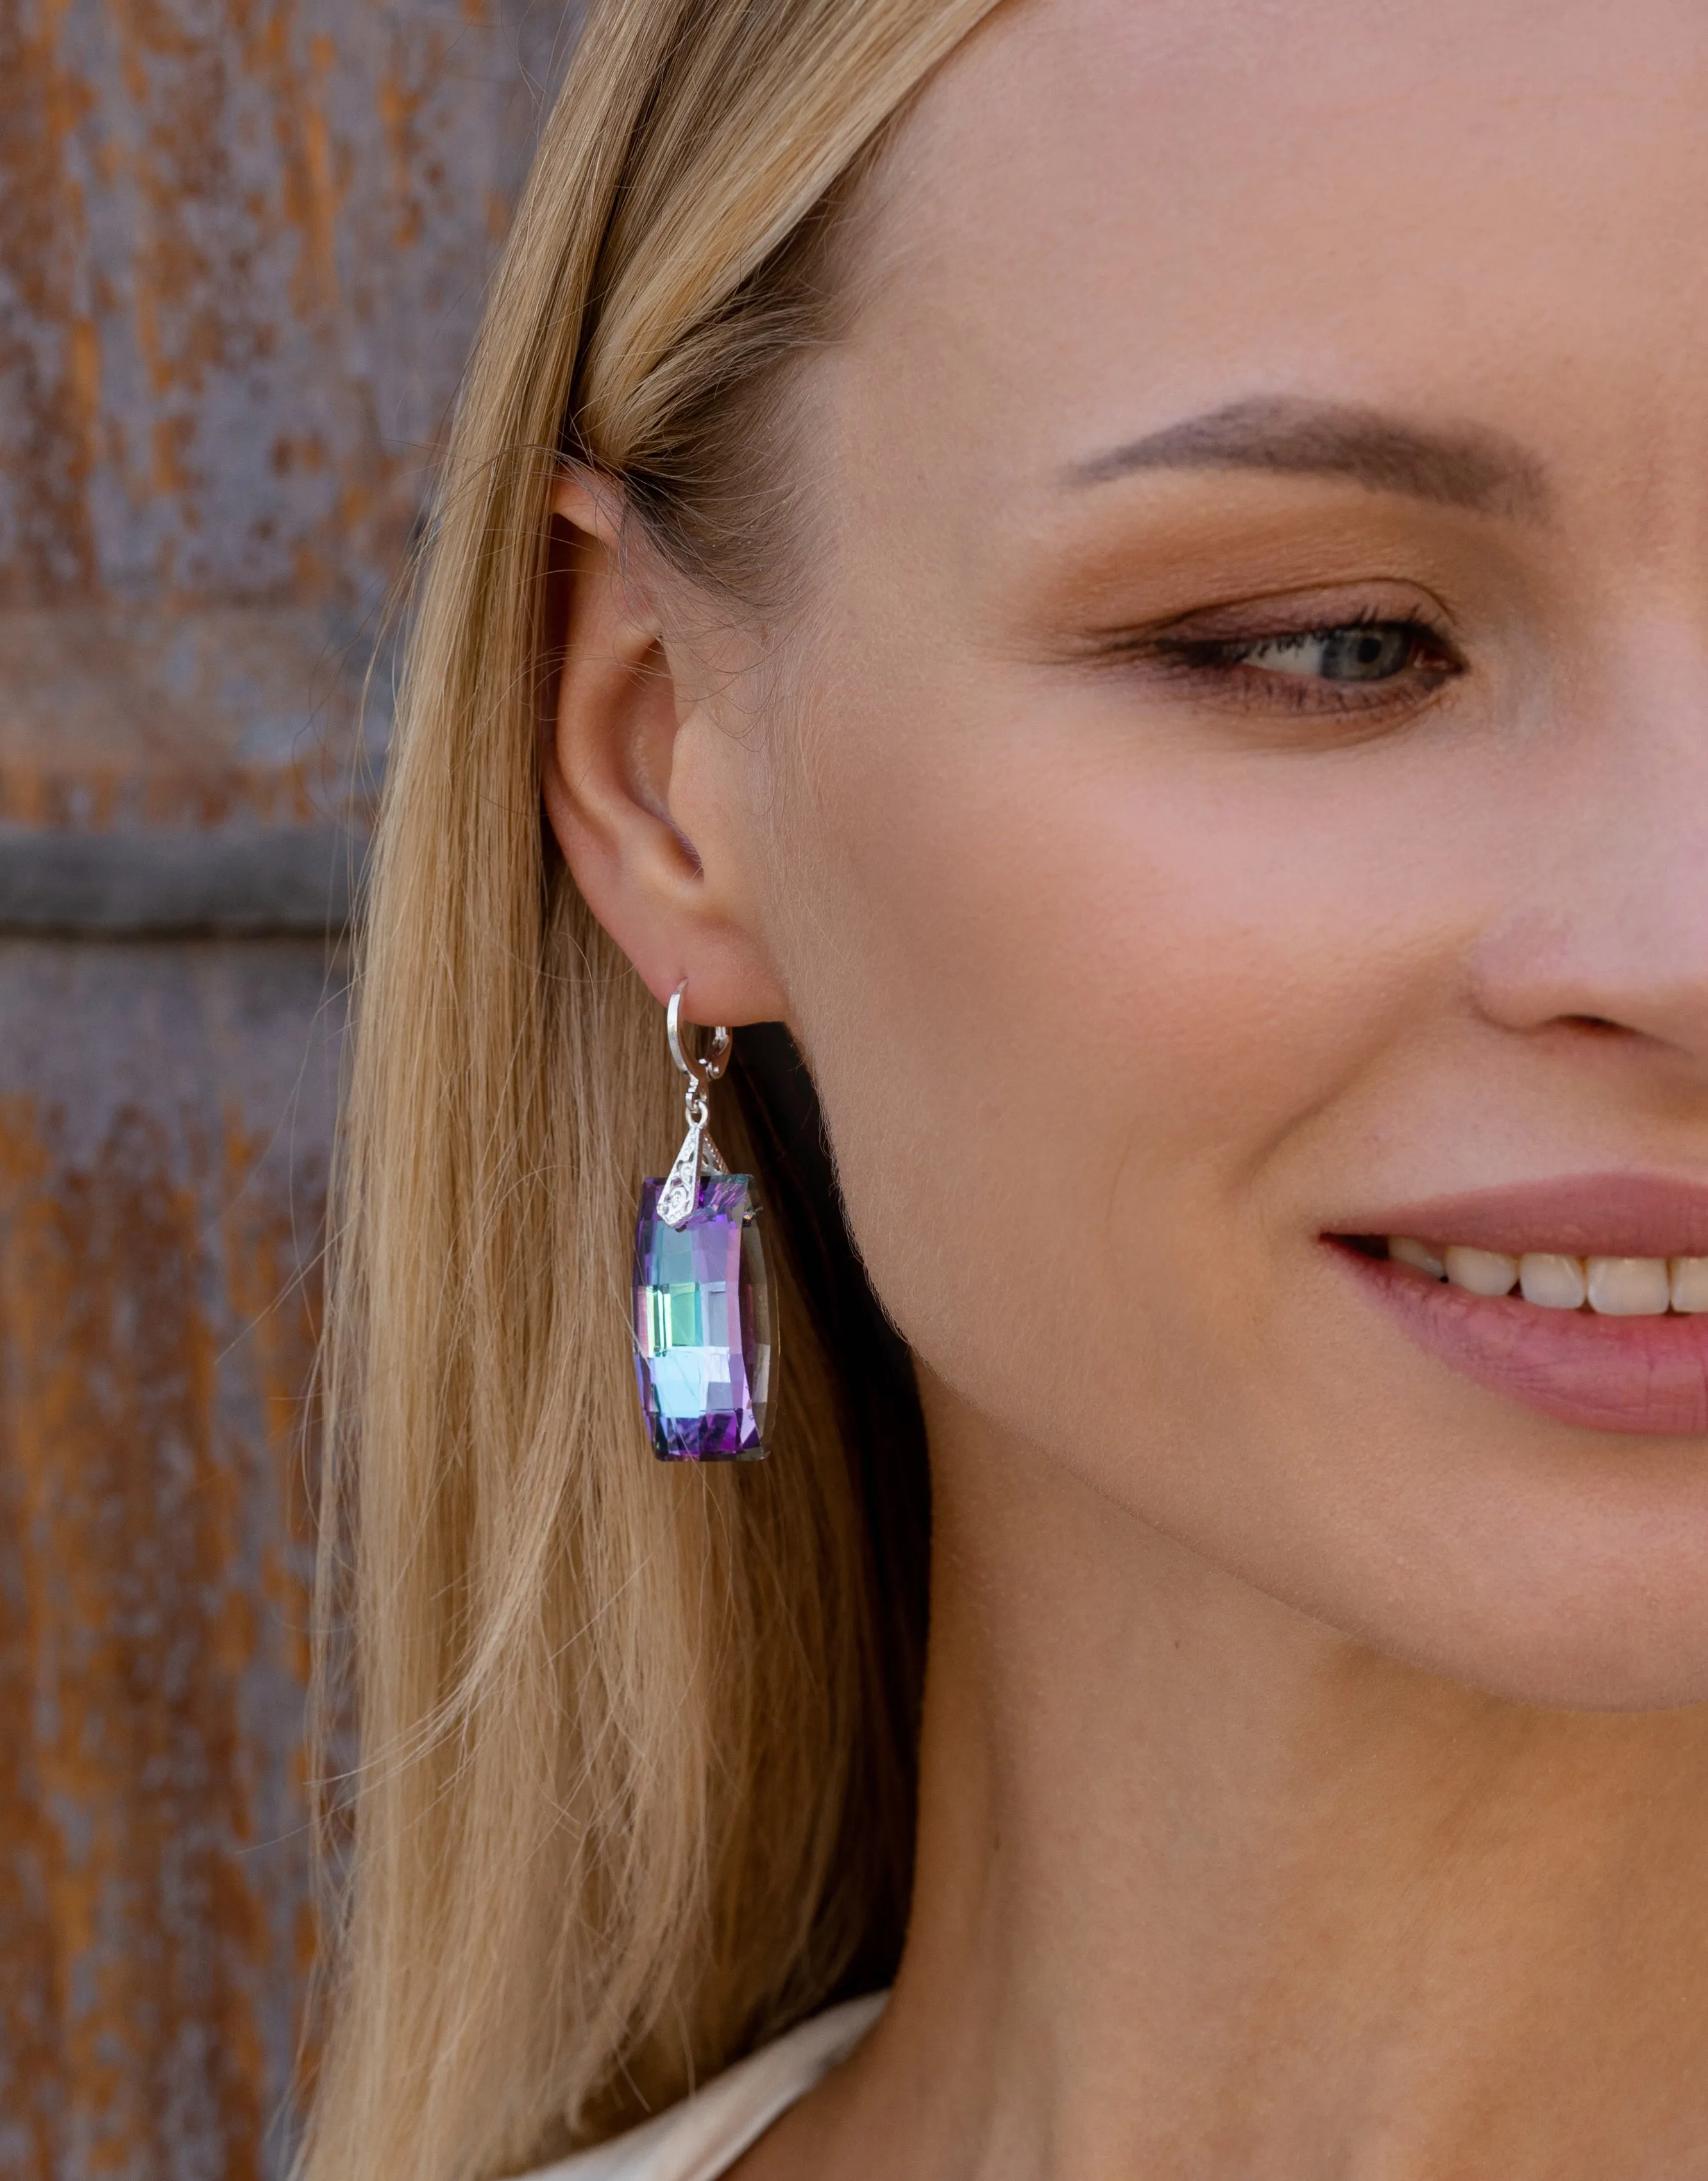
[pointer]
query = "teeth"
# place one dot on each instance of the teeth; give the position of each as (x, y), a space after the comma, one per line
(1628, 1286)
(1616, 1287)
(1555, 1283)
(1483, 1272)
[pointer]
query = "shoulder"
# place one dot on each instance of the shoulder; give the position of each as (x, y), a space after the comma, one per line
(702, 2137)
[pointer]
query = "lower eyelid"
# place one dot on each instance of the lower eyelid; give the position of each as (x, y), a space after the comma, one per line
(1252, 687)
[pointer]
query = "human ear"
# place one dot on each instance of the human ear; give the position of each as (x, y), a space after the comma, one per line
(639, 781)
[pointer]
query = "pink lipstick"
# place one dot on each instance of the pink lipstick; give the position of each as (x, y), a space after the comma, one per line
(1644, 1373)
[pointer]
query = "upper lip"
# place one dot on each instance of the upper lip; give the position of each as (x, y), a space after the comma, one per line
(1609, 1215)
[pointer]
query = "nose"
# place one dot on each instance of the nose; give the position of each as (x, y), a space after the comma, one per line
(1603, 924)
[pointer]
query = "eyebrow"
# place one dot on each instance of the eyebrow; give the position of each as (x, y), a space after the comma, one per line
(1466, 466)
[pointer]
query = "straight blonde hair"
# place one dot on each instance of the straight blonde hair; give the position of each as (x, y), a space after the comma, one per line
(635, 1780)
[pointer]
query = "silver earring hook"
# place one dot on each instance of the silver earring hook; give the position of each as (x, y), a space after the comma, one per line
(699, 1155)
(712, 1063)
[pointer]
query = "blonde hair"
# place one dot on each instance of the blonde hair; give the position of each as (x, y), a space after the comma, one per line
(636, 1744)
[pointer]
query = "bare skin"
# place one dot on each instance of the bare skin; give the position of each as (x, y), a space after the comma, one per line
(1316, 1749)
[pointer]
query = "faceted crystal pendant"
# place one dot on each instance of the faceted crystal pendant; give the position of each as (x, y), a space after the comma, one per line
(703, 1324)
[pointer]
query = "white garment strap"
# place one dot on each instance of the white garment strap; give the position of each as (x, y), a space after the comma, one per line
(702, 2137)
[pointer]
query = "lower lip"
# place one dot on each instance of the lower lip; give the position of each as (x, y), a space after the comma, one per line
(1620, 1374)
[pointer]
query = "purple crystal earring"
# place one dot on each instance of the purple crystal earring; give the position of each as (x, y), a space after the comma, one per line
(704, 1348)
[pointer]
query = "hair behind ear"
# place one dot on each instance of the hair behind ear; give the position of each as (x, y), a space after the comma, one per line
(635, 1771)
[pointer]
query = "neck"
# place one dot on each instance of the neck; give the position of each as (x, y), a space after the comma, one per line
(1206, 1889)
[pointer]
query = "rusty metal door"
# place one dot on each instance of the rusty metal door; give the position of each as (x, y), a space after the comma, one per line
(242, 244)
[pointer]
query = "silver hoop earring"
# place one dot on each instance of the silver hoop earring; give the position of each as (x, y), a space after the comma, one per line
(705, 1350)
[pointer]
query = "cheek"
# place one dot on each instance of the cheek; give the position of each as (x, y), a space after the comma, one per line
(1104, 1037)
(1077, 1012)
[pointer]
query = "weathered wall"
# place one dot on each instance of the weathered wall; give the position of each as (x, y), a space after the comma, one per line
(242, 243)
(164, 1121)
(242, 248)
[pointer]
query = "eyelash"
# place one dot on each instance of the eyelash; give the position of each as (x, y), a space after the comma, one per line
(1226, 661)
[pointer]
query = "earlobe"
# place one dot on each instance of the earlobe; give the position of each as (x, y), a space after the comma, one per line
(609, 753)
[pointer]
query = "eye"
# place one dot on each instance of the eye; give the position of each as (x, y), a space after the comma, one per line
(1353, 665)
(1372, 651)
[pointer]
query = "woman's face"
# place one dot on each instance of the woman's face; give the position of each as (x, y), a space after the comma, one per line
(1249, 794)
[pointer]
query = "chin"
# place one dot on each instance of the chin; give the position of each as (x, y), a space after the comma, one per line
(1569, 1623)
(1584, 1674)
(1494, 1536)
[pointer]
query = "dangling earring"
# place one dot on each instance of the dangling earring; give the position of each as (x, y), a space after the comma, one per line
(704, 1348)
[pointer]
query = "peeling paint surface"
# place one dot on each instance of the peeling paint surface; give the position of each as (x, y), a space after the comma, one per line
(164, 1123)
(243, 248)
(207, 718)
